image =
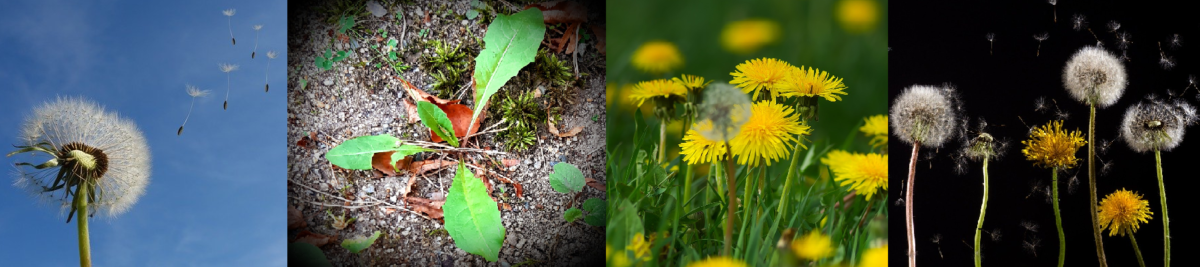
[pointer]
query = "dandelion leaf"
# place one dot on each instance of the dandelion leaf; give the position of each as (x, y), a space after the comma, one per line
(596, 209)
(356, 245)
(472, 218)
(511, 42)
(437, 121)
(355, 154)
(566, 178)
(571, 214)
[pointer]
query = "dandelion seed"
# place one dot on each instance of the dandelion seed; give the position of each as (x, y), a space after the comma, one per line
(1030, 226)
(1176, 41)
(1040, 38)
(1062, 115)
(1104, 145)
(1125, 56)
(1113, 26)
(267, 79)
(1155, 125)
(1095, 77)
(1106, 167)
(1079, 22)
(937, 239)
(1031, 245)
(1123, 41)
(229, 18)
(995, 234)
(1049, 194)
(195, 93)
(1034, 187)
(1054, 5)
(1040, 105)
(256, 28)
(1072, 184)
(227, 68)
(1165, 61)
(991, 37)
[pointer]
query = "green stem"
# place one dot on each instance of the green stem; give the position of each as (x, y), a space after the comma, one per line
(662, 142)
(1062, 239)
(1162, 195)
(1092, 186)
(732, 200)
(982, 211)
(1136, 251)
(81, 220)
(908, 207)
(747, 209)
(787, 182)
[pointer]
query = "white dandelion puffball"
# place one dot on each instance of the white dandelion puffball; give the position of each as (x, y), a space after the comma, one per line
(724, 110)
(82, 134)
(1156, 125)
(1095, 76)
(925, 114)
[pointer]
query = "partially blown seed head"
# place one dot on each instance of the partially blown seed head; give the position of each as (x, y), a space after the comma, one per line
(926, 115)
(1094, 76)
(1156, 125)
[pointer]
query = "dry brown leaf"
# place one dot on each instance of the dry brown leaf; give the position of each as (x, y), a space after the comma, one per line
(426, 16)
(314, 238)
(303, 142)
(595, 184)
(508, 163)
(295, 218)
(431, 208)
(382, 161)
(506, 206)
(411, 109)
(520, 193)
(561, 11)
(424, 166)
(598, 31)
(460, 117)
(570, 133)
(418, 95)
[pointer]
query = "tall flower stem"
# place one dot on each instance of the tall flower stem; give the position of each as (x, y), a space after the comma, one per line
(1062, 239)
(662, 142)
(1092, 186)
(732, 200)
(908, 207)
(1136, 251)
(787, 182)
(1162, 196)
(982, 211)
(81, 220)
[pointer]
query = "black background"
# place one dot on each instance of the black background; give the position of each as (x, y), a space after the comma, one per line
(936, 42)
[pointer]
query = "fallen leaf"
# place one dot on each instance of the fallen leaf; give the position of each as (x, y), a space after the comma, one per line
(570, 133)
(510, 162)
(303, 142)
(382, 161)
(418, 95)
(460, 117)
(561, 11)
(570, 38)
(430, 208)
(421, 167)
(344, 38)
(295, 218)
(411, 109)
(595, 184)
(312, 135)
(520, 193)
(598, 31)
(314, 238)
(426, 16)
(506, 206)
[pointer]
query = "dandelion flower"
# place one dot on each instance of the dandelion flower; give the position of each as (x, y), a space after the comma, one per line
(723, 113)
(227, 68)
(267, 79)
(1050, 146)
(813, 246)
(811, 82)
(761, 74)
(195, 93)
(1095, 77)
(229, 18)
(640, 247)
(656, 57)
(256, 28)
(747, 36)
(718, 262)
(925, 115)
(858, 16)
(697, 149)
(691, 82)
(1121, 212)
(661, 88)
(875, 257)
(866, 173)
(1156, 126)
(877, 127)
(767, 134)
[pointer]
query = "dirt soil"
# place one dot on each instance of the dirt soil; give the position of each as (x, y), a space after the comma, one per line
(356, 98)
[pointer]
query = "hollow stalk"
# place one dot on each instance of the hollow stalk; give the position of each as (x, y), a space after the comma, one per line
(1162, 196)
(1062, 240)
(1092, 186)
(982, 211)
(908, 207)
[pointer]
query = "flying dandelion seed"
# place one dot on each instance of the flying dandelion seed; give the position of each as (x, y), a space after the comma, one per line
(1079, 22)
(256, 28)
(1040, 38)
(1103, 145)
(899, 202)
(991, 37)
(229, 15)
(1034, 187)
(1039, 105)
(1165, 61)
(195, 93)
(995, 234)
(1123, 40)
(1030, 226)
(227, 68)
(1054, 5)
(1062, 115)
(1031, 245)
(1175, 41)
(1125, 56)
(937, 239)
(1113, 26)
(1072, 184)
(270, 55)
(1106, 167)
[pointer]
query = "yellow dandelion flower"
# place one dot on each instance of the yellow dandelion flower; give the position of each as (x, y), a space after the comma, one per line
(718, 262)
(697, 149)
(813, 246)
(657, 88)
(747, 36)
(1122, 210)
(1052, 147)
(810, 82)
(867, 172)
(657, 57)
(619, 260)
(877, 127)
(767, 134)
(858, 16)
(761, 74)
(691, 82)
(640, 247)
(876, 257)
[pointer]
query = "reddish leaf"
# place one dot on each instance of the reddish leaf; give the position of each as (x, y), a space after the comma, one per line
(344, 38)
(508, 163)
(382, 161)
(561, 11)
(312, 135)
(411, 110)
(598, 31)
(314, 238)
(595, 184)
(572, 132)
(418, 95)
(303, 142)
(460, 117)
(430, 208)
(426, 16)
(421, 167)
(295, 218)
(520, 193)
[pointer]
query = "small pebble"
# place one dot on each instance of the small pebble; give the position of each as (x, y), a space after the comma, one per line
(328, 82)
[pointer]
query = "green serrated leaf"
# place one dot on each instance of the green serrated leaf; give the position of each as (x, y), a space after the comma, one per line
(511, 42)
(407, 150)
(571, 214)
(472, 217)
(356, 245)
(471, 14)
(566, 178)
(355, 154)
(345, 23)
(434, 118)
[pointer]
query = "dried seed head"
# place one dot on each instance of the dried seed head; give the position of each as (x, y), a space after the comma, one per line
(1094, 76)
(1156, 125)
(925, 114)
(979, 145)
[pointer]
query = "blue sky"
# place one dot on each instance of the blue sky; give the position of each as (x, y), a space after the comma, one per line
(217, 193)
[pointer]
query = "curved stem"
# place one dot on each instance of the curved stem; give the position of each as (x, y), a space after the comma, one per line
(1062, 239)
(81, 212)
(908, 207)
(1136, 251)
(982, 211)
(255, 42)
(1092, 186)
(1162, 195)
(732, 200)
(189, 115)
(267, 79)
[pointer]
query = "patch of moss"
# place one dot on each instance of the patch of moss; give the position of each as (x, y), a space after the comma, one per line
(524, 115)
(446, 65)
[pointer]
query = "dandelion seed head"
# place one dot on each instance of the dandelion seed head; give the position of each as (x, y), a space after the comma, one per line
(271, 54)
(723, 113)
(196, 92)
(1094, 76)
(925, 114)
(258, 27)
(1156, 125)
(226, 68)
(229, 12)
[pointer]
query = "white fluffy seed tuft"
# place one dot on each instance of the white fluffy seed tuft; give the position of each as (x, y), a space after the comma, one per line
(926, 115)
(1095, 76)
(1156, 125)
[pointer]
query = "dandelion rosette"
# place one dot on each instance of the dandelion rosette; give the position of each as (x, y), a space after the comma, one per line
(747, 36)
(1095, 77)
(764, 74)
(767, 134)
(1050, 146)
(723, 112)
(1122, 211)
(813, 246)
(866, 173)
(91, 147)
(858, 16)
(1156, 125)
(811, 82)
(657, 57)
(925, 114)
(718, 262)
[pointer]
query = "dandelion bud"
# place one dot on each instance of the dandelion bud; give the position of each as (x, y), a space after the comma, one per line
(1155, 125)
(1095, 77)
(925, 114)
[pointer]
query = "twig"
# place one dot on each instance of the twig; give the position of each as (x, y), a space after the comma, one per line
(333, 205)
(574, 58)
(490, 129)
(376, 202)
(445, 148)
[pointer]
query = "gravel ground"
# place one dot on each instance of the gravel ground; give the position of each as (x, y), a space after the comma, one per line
(353, 100)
